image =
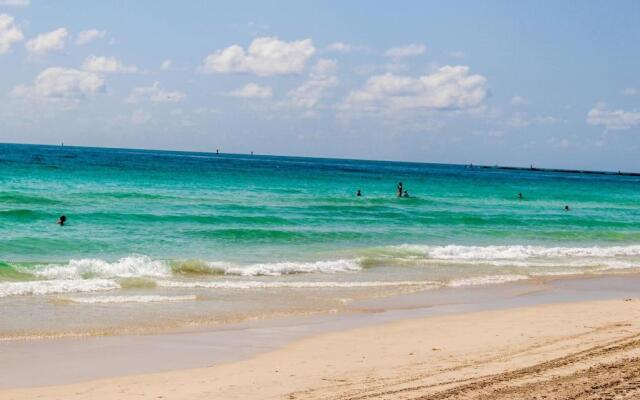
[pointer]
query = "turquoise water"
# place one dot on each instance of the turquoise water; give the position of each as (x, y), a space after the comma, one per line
(257, 208)
(168, 223)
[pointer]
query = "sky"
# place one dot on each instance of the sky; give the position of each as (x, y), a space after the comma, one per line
(543, 83)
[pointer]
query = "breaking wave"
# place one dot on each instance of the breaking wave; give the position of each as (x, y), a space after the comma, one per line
(55, 287)
(451, 265)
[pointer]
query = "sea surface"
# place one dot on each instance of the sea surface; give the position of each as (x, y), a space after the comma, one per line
(158, 239)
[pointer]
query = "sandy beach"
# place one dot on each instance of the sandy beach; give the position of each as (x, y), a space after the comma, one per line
(579, 350)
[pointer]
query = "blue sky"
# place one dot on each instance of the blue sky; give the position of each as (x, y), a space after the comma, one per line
(513, 83)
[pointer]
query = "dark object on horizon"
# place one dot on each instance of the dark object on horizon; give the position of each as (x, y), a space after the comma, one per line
(358, 193)
(62, 220)
(217, 151)
(566, 208)
(400, 189)
(520, 196)
(252, 153)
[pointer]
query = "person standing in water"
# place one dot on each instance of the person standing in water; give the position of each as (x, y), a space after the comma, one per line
(400, 191)
(520, 196)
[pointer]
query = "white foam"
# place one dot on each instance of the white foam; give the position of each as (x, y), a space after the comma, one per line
(129, 299)
(287, 268)
(143, 266)
(486, 280)
(127, 267)
(293, 284)
(55, 287)
(515, 252)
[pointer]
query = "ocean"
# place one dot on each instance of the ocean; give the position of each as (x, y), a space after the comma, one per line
(165, 239)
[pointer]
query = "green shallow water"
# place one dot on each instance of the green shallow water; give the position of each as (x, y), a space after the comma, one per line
(174, 205)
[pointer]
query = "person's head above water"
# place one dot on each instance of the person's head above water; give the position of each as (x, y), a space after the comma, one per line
(62, 220)
(566, 208)
(358, 193)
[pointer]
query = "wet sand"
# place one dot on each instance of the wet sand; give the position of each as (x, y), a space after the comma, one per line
(569, 338)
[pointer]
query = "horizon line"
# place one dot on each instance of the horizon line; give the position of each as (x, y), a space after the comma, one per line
(471, 165)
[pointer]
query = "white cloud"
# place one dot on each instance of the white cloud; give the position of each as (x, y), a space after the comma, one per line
(265, 56)
(9, 33)
(90, 35)
(166, 65)
(449, 88)
(340, 46)
(62, 84)
(15, 3)
(630, 92)
(154, 93)
(406, 51)
(47, 42)
(519, 101)
(343, 47)
(253, 91)
(107, 65)
(140, 117)
(612, 119)
(309, 94)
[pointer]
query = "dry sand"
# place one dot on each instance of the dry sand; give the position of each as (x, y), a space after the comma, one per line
(586, 350)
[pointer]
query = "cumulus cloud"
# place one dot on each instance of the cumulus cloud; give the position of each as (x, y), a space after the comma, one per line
(601, 115)
(265, 56)
(309, 94)
(253, 91)
(155, 94)
(90, 35)
(449, 88)
(47, 42)
(15, 3)
(107, 65)
(9, 33)
(62, 84)
(406, 51)
(166, 65)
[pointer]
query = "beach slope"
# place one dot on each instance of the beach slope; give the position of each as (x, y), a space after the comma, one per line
(586, 350)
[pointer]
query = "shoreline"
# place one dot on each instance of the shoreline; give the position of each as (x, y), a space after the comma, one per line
(72, 361)
(582, 350)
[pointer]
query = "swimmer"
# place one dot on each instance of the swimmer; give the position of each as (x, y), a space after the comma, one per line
(566, 208)
(62, 220)
(405, 194)
(520, 196)
(358, 193)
